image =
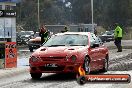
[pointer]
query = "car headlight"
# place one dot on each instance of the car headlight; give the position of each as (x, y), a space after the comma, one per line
(72, 58)
(34, 59)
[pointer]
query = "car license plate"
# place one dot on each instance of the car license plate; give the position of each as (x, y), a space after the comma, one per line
(51, 65)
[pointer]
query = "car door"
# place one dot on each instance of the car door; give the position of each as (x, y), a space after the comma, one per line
(101, 54)
(93, 52)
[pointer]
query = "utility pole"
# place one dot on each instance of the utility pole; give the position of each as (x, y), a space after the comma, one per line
(92, 13)
(38, 16)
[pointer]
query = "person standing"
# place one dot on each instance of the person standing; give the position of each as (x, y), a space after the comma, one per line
(95, 31)
(118, 37)
(43, 34)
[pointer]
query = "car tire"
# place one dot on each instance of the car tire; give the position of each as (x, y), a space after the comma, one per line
(81, 80)
(86, 65)
(105, 67)
(31, 49)
(36, 75)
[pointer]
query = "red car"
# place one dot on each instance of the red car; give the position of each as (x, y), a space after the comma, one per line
(66, 52)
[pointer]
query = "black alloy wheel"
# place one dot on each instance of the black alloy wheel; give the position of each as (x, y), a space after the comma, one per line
(86, 65)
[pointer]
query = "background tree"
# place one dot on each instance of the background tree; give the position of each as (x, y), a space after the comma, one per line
(106, 12)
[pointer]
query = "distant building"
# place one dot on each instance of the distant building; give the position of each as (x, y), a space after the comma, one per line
(7, 4)
(83, 28)
(72, 28)
(7, 20)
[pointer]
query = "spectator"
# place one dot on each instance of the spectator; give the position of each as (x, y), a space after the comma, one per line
(43, 34)
(118, 37)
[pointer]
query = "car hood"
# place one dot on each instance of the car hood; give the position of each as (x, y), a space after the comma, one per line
(60, 51)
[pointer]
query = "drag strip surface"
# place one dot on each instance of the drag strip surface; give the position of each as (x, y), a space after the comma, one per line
(120, 63)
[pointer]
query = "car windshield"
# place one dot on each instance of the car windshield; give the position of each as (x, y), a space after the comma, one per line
(67, 40)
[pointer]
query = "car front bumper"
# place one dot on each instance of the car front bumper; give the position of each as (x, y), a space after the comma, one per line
(55, 67)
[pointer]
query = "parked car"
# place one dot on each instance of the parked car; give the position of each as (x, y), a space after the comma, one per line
(24, 36)
(18, 39)
(34, 42)
(107, 36)
(66, 52)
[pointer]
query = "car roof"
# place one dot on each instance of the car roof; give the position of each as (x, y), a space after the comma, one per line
(79, 33)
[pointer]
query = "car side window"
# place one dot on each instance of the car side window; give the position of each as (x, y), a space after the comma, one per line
(95, 39)
(92, 39)
(98, 40)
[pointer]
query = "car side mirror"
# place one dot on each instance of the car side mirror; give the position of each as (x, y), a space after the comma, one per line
(95, 45)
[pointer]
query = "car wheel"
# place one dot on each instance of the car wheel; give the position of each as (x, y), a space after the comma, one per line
(86, 65)
(31, 49)
(36, 75)
(105, 67)
(81, 80)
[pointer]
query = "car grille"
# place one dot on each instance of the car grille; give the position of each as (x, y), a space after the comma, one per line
(52, 58)
(59, 68)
